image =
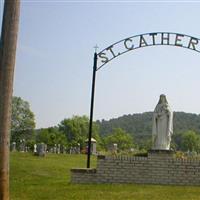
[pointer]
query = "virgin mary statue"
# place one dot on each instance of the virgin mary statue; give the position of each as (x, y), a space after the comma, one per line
(162, 125)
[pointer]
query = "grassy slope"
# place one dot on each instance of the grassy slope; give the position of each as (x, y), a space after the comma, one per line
(34, 178)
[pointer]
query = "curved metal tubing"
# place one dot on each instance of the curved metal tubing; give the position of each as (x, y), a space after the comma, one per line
(155, 44)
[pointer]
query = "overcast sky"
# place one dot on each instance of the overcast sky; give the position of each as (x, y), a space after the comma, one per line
(55, 57)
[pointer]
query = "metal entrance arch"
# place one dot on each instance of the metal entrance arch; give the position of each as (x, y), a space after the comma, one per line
(130, 44)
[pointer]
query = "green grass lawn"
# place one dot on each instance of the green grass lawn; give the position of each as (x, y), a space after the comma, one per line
(35, 178)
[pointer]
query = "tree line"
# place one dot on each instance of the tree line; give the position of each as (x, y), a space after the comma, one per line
(128, 131)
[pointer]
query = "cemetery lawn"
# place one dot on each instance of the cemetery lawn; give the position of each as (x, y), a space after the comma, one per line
(34, 178)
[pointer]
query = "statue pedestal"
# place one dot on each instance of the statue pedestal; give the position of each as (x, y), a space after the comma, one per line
(161, 154)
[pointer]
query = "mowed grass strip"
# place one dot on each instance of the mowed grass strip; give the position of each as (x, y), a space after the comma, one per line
(36, 178)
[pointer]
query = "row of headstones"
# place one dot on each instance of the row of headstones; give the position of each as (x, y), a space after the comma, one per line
(41, 149)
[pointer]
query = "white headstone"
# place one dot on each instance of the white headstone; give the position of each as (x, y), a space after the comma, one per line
(35, 148)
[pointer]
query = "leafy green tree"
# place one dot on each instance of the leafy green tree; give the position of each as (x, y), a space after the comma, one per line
(176, 142)
(190, 141)
(123, 140)
(43, 136)
(76, 130)
(23, 121)
(146, 144)
(51, 136)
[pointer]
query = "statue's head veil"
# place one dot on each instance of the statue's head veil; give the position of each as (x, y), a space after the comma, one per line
(163, 99)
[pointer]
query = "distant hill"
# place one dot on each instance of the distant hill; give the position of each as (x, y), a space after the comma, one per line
(140, 125)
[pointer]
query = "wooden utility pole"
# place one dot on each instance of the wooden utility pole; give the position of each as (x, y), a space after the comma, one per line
(8, 43)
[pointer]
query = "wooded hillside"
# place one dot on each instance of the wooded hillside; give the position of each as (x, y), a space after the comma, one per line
(140, 125)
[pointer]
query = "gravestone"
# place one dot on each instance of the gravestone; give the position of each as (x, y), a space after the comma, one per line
(113, 148)
(13, 146)
(51, 150)
(70, 150)
(58, 149)
(54, 148)
(22, 145)
(78, 148)
(41, 149)
(63, 149)
(93, 146)
(35, 149)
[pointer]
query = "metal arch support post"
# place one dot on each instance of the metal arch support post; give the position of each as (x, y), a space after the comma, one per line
(91, 110)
